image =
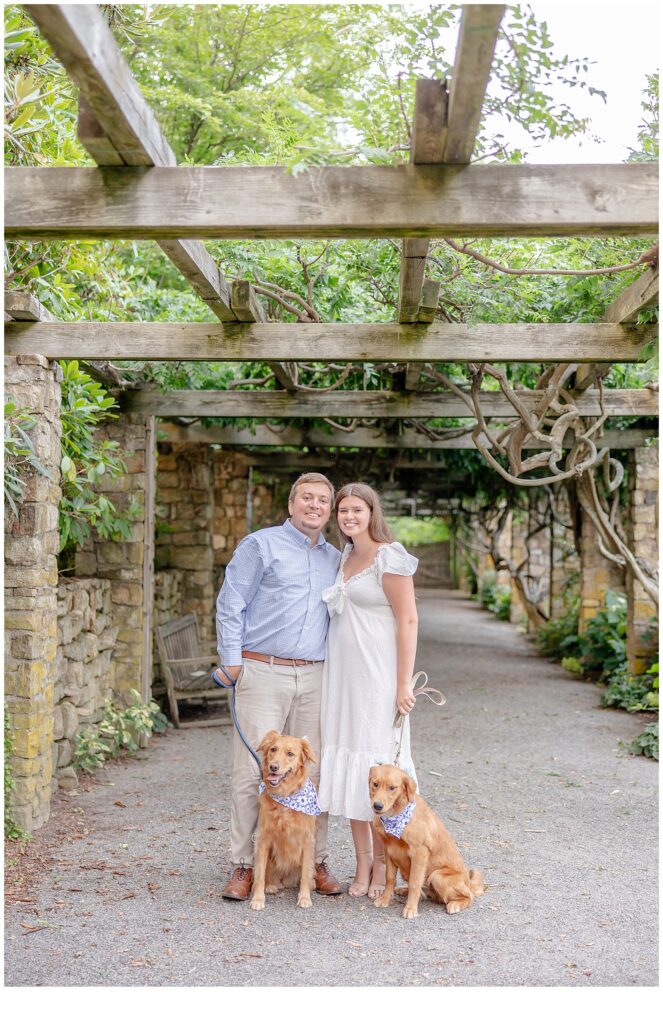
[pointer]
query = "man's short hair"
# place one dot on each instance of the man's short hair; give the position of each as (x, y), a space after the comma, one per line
(311, 478)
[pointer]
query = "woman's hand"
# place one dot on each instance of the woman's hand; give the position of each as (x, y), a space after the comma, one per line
(405, 698)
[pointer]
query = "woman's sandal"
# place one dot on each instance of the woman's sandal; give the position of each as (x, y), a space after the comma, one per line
(356, 888)
(376, 889)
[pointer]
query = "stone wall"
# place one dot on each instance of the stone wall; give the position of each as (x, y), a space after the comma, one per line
(168, 587)
(31, 545)
(434, 564)
(642, 534)
(184, 516)
(597, 575)
(123, 562)
(564, 558)
(84, 666)
(207, 501)
(230, 523)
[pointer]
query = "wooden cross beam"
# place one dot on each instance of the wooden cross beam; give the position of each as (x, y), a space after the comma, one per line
(260, 342)
(118, 128)
(639, 295)
(445, 127)
(362, 437)
(367, 404)
(331, 202)
(24, 307)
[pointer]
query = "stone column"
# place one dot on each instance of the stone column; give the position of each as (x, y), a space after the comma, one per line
(564, 560)
(184, 527)
(517, 614)
(123, 561)
(642, 533)
(597, 575)
(31, 546)
(232, 487)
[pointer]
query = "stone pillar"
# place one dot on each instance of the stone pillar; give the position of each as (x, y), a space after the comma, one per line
(233, 490)
(597, 575)
(642, 533)
(184, 527)
(123, 561)
(31, 546)
(517, 613)
(564, 560)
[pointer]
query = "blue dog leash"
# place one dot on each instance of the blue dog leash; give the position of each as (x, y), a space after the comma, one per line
(230, 685)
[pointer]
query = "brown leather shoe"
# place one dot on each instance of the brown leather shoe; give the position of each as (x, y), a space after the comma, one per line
(238, 886)
(325, 883)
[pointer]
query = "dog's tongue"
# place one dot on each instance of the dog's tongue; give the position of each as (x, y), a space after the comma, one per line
(273, 779)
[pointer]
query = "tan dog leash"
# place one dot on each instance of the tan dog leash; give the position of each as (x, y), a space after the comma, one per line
(423, 691)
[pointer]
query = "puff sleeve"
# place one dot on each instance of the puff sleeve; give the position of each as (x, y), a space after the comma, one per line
(394, 558)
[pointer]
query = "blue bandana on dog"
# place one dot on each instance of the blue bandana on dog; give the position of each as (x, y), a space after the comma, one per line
(304, 800)
(394, 826)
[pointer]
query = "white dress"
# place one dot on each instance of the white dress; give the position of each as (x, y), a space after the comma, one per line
(359, 684)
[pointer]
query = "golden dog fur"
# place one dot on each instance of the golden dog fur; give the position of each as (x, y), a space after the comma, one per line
(285, 850)
(426, 855)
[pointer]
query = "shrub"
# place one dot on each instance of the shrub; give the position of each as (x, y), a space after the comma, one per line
(85, 460)
(558, 638)
(119, 729)
(633, 693)
(603, 644)
(647, 742)
(496, 597)
(19, 453)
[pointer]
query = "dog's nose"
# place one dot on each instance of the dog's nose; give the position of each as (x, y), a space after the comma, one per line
(273, 768)
(377, 806)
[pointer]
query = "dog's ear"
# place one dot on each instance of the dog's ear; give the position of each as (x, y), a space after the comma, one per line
(268, 739)
(410, 787)
(307, 751)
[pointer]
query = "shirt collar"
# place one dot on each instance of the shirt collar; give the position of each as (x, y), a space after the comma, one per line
(302, 538)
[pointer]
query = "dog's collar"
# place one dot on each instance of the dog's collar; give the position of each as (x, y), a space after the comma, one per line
(305, 800)
(394, 826)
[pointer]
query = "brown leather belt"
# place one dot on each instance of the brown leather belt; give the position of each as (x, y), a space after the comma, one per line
(271, 660)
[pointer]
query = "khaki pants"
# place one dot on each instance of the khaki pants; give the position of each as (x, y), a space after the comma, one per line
(281, 697)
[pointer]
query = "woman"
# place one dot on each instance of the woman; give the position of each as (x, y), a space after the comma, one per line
(371, 647)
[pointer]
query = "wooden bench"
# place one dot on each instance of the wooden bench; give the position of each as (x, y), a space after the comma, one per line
(186, 668)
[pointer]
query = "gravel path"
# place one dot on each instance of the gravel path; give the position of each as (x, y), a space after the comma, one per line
(522, 764)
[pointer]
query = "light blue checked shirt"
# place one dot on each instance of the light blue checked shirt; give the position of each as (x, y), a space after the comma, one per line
(271, 598)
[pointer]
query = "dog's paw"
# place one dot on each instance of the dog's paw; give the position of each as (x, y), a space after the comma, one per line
(271, 889)
(382, 901)
(410, 911)
(401, 890)
(304, 901)
(455, 906)
(258, 903)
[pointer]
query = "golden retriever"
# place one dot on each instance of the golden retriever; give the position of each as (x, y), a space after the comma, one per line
(426, 854)
(285, 850)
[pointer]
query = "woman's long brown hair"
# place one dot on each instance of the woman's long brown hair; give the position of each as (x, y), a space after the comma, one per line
(377, 525)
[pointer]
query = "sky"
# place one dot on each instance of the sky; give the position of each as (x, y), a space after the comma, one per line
(624, 41)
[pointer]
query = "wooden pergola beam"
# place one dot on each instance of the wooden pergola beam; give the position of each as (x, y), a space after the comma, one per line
(369, 404)
(479, 29)
(362, 437)
(445, 127)
(640, 295)
(118, 128)
(331, 202)
(260, 342)
(25, 307)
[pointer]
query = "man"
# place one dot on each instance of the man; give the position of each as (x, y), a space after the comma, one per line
(271, 629)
